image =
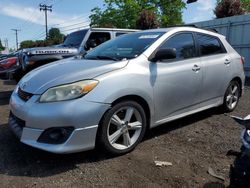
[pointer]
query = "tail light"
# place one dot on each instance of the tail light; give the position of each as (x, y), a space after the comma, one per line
(242, 60)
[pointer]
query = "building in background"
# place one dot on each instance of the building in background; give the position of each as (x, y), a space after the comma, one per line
(237, 31)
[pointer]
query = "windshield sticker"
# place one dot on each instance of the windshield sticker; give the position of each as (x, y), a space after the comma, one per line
(148, 36)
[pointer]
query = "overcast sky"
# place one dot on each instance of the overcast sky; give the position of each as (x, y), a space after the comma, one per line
(68, 15)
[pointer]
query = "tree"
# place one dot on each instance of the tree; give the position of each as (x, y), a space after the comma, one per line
(27, 44)
(147, 20)
(246, 5)
(171, 12)
(227, 8)
(1, 46)
(55, 36)
(126, 13)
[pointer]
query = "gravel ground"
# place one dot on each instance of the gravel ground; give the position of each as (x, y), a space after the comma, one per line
(192, 145)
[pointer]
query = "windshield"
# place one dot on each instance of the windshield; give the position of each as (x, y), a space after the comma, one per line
(124, 47)
(75, 39)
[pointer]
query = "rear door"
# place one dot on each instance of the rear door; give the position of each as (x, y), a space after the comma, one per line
(177, 82)
(216, 68)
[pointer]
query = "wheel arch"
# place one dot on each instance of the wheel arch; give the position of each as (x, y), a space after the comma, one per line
(140, 100)
(238, 79)
(135, 98)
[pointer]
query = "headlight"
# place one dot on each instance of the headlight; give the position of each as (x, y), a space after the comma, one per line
(68, 91)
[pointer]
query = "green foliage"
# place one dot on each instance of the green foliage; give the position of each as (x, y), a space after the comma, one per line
(126, 13)
(1, 46)
(27, 44)
(246, 5)
(55, 37)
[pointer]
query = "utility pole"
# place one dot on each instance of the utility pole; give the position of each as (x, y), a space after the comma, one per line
(46, 8)
(6, 43)
(16, 31)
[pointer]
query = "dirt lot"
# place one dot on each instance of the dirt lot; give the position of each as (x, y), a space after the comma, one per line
(191, 144)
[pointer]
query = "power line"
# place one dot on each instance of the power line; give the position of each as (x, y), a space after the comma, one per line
(16, 32)
(80, 23)
(38, 32)
(41, 35)
(82, 17)
(77, 28)
(46, 8)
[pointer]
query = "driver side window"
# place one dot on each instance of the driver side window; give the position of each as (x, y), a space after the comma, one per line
(95, 39)
(184, 45)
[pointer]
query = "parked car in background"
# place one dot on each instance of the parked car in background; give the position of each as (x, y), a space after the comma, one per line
(9, 66)
(79, 41)
(124, 87)
(3, 56)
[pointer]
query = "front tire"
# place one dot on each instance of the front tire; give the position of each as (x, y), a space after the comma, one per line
(231, 97)
(122, 128)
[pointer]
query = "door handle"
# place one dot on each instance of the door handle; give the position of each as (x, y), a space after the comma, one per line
(196, 68)
(227, 62)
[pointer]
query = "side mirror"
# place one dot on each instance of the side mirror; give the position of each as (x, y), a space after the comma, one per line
(164, 54)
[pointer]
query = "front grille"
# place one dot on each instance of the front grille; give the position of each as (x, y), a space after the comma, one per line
(24, 95)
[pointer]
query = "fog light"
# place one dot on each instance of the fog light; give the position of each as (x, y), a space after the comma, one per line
(57, 135)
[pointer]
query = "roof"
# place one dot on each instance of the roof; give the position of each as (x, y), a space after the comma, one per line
(115, 29)
(184, 28)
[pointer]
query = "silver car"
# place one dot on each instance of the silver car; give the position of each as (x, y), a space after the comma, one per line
(118, 91)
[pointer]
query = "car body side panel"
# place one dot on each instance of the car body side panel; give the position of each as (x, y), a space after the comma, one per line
(237, 69)
(176, 86)
(134, 79)
(216, 76)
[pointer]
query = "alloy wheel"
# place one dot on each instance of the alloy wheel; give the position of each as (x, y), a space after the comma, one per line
(124, 128)
(232, 97)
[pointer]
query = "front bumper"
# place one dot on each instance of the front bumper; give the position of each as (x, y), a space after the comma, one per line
(30, 119)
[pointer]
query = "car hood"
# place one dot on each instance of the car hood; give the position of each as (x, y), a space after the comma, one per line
(66, 71)
(51, 50)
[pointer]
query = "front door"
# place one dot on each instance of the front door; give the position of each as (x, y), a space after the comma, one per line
(177, 82)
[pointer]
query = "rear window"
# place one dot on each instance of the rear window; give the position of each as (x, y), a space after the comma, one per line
(209, 45)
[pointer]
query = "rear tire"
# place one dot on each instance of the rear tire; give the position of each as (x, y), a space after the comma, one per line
(122, 128)
(231, 97)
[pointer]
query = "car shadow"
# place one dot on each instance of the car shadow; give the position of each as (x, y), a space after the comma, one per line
(240, 172)
(5, 97)
(247, 82)
(17, 159)
(183, 122)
